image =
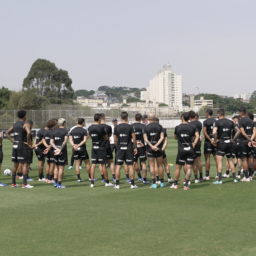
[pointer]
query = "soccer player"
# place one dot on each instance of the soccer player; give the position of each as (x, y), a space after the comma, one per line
(165, 164)
(187, 137)
(30, 150)
(21, 144)
(49, 151)
(108, 130)
(99, 153)
(78, 138)
(125, 140)
(154, 137)
(138, 128)
(254, 148)
(244, 148)
(58, 142)
(145, 120)
(39, 150)
(222, 132)
(111, 139)
(209, 144)
(1, 156)
(197, 149)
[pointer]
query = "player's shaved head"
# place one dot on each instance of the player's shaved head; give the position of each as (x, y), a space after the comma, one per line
(151, 117)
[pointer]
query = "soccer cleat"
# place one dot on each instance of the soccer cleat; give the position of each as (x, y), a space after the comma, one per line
(94, 179)
(184, 180)
(114, 180)
(50, 181)
(55, 184)
(163, 185)
(103, 181)
(20, 177)
(158, 182)
(128, 181)
(43, 179)
(154, 186)
(170, 180)
(27, 186)
(238, 176)
(80, 167)
(61, 186)
(251, 178)
(116, 187)
(79, 181)
(146, 182)
(15, 185)
(174, 186)
(109, 185)
(186, 188)
(245, 179)
(206, 178)
(134, 186)
(217, 182)
(17, 176)
(2, 184)
(92, 186)
(140, 179)
(29, 179)
(235, 181)
(189, 183)
(225, 175)
(197, 181)
(70, 167)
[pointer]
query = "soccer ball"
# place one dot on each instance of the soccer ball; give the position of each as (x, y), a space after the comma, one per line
(7, 172)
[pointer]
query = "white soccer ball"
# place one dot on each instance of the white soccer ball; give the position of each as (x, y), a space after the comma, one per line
(7, 172)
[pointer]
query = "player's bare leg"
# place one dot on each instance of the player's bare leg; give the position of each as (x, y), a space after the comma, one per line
(78, 164)
(41, 170)
(88, 167)
(112, 168)
(126, 171)
(137, 168)
(14, 172)
(167, 169)
(92, 174)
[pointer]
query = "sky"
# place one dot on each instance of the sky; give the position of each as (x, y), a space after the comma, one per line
(211, 43)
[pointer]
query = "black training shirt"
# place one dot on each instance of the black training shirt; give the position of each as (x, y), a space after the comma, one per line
(48, 135)
(247, 124)
(153, 131)
(39, 137)
(58, 135)
(78, 135)
(185, 133)
(20, 136)
(138, 130)
(198, 126)
(208, 123)
(234, 133)
(124, 133)
(108, 130)
(225, 129)
(97, 133)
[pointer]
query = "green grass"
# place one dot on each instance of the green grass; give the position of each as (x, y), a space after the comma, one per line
(206, 220)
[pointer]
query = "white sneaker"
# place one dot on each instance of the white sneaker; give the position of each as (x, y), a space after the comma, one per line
(206, 178)
(174, 186)
(225, 175)
(170, 180)
(250, 178)
(21, 178)
(134, 186)
(43, 179)
(109, 185)
(244, 179)
(238, 177)
(197, 181)
(116, 187)
(92, 186)
(158, 182)
(242, 171)
(189, 183)
(27, 186)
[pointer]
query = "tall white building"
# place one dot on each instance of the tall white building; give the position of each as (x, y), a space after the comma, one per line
(165, 87)
(244, 96)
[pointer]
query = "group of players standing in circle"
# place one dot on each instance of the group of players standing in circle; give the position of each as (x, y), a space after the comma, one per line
(142, 140)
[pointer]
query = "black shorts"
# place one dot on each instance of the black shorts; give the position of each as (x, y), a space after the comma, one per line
(30, 152)
(235, 150)
(244, 150)
(154, 154)
(99, 156)
(141, 154)
(109, 153)
(254, 153)
(1, 156)
(197, 150)
(124, 155)
(81, 154)
(21, 156)
(185, 157)
(164, 155)
(224, 149)
(50, 157)
(209, 148)
(113, 147)
(40, 154)
(62, 159)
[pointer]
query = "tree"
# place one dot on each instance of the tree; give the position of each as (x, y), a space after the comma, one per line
(184, 103)
(84, 93)
(14, 99)
(5, 94)
(162, 105)
(30, 100)
(48, 81)
(253, 96)
(103, 88)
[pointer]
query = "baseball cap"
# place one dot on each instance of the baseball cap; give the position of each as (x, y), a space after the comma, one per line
(144, 117)
(61, 121)
(114, 120)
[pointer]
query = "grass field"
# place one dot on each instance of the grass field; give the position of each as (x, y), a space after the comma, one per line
(79, 220)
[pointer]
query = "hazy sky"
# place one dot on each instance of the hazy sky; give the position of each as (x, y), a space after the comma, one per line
(211, 43)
